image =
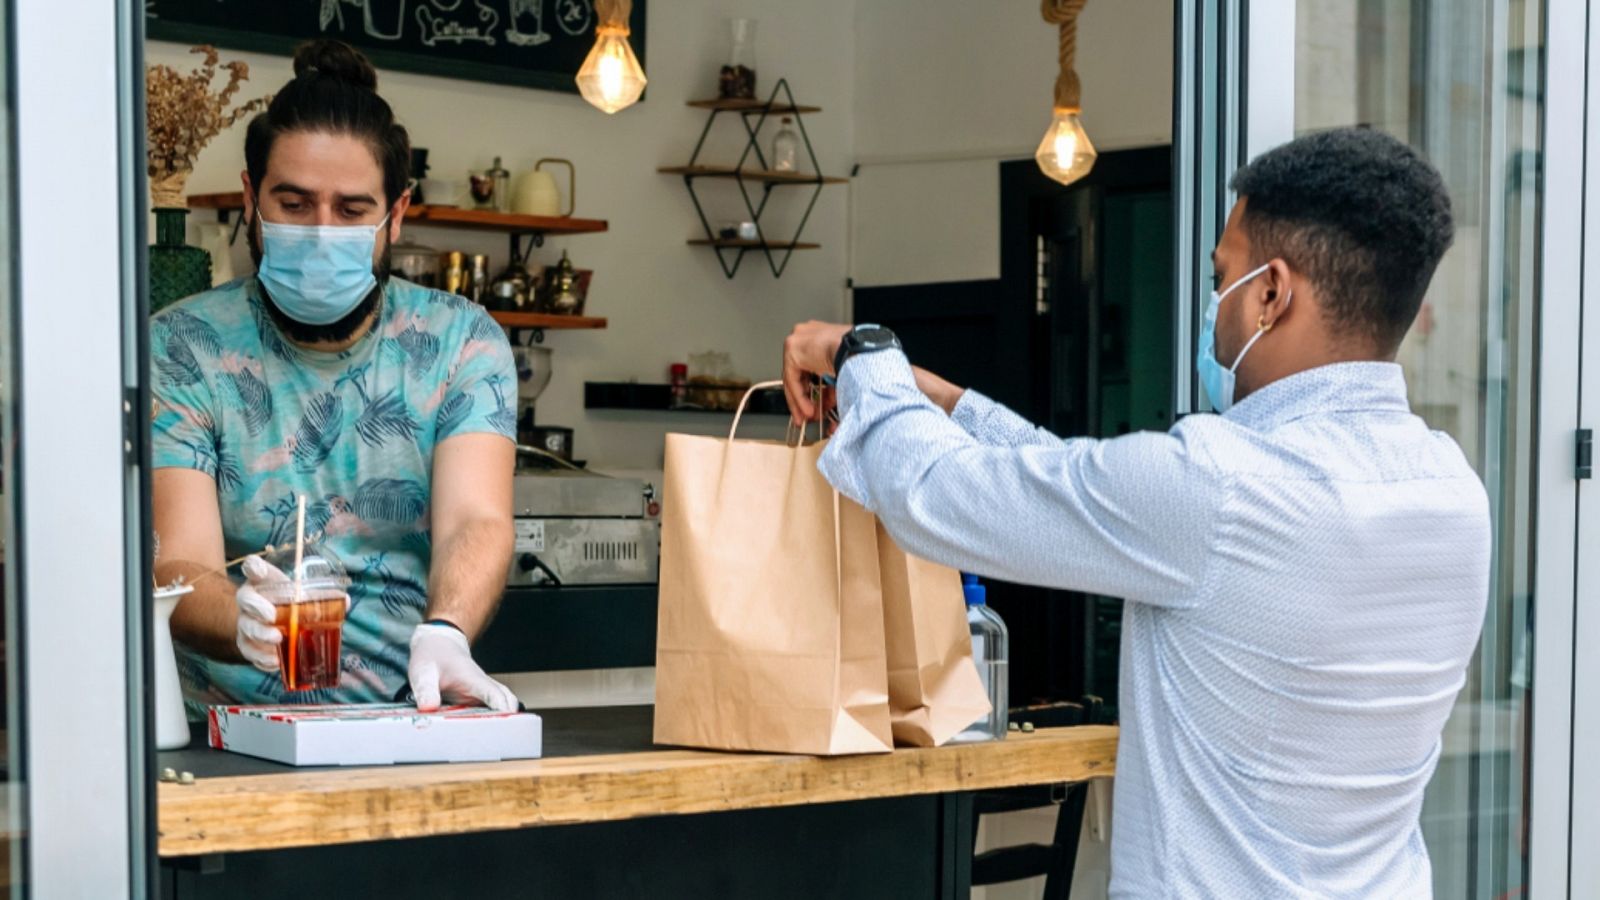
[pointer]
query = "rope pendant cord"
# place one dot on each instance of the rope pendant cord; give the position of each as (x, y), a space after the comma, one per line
(1064, 13)
(613, 15)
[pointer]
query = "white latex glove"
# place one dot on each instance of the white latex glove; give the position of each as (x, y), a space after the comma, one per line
(441, 665)
(256, 637)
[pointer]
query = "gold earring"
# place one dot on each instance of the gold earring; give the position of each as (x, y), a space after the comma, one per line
(1263, 325)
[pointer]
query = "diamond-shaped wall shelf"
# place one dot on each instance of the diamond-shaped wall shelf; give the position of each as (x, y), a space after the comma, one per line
(731, 251)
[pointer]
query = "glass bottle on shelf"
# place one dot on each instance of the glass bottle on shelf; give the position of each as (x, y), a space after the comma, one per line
(500, 199)
(785, 147)
(738, 79)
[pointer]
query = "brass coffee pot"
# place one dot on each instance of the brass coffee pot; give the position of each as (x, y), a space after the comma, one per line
(564, 298)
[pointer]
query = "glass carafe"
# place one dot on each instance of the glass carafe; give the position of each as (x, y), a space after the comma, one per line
(738, 79)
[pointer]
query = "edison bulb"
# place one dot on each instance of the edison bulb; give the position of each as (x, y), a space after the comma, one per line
(1065, 154)
(611, 78)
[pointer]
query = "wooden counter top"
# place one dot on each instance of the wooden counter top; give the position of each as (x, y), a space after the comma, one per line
(286, 807)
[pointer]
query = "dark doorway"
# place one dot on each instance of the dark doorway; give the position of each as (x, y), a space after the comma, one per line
(1077, 336)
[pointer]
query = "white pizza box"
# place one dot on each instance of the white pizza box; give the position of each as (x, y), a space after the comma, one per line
(370, 734)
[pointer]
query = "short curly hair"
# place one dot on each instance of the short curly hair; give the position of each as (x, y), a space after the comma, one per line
(1358, 213)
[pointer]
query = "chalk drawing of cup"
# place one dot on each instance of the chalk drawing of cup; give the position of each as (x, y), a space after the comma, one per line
(378, 16)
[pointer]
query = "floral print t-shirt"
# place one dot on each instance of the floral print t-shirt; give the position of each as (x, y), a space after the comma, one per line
(353, 431)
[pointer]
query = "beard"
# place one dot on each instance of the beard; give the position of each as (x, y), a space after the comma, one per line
(334, 332)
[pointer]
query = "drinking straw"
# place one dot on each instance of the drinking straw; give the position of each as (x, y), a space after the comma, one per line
(294, 606)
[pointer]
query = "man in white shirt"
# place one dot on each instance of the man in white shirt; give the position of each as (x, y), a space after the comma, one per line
(1307, 571)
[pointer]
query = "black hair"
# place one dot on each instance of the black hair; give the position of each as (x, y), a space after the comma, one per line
(1358, 213)
(335, 90)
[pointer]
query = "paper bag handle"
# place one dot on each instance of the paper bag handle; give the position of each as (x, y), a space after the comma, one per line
(765, 386)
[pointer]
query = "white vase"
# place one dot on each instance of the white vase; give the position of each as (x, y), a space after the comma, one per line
(172, 725)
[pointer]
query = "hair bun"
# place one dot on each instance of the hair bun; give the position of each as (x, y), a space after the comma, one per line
(336, 60)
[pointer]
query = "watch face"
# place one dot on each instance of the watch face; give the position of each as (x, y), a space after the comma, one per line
(864, 339)
(873, 337)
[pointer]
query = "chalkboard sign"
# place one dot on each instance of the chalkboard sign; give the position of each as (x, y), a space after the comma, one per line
(532, 43)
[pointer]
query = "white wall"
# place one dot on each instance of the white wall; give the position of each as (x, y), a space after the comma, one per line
(947, 88)
(664, 298)
(925, 94)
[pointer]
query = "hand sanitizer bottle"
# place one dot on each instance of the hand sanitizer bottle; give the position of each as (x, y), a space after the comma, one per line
(991, 651)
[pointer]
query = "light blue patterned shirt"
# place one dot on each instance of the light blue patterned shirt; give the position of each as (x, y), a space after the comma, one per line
(1307, 576)
(354, 432)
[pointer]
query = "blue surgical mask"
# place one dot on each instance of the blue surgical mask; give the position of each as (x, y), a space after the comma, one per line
(1217, 381)
(317, 274)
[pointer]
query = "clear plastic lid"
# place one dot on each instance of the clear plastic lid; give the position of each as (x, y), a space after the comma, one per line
(321, 573)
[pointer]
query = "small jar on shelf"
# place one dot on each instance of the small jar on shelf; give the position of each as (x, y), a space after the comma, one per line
(785, 148)
(679, 398)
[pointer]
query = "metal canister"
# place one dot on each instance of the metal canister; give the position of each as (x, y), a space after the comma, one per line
(453, 271)
(478, 279)
(417, 263)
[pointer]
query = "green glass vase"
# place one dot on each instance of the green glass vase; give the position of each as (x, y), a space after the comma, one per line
(177, 270)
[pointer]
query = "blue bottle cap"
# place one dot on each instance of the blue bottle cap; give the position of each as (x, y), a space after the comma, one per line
(976, 594)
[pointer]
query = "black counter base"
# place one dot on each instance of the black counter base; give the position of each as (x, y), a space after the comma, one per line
(911, 847)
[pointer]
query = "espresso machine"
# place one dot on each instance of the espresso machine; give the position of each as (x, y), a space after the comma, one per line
(573, 527)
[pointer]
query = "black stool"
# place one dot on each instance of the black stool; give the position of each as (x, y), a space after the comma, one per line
(1056, 860)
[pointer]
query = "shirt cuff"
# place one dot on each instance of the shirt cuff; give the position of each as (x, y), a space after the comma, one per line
(883, 372)
(867, 385)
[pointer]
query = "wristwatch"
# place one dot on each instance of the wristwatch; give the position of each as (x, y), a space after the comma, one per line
(863, 339)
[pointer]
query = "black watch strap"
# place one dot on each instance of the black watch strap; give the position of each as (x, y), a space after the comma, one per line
(446, 623)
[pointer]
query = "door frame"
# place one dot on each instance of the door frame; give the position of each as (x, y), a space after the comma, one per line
(1572, 241)
(78, 230)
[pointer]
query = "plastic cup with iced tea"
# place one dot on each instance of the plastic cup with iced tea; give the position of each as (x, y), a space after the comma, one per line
(310, 616)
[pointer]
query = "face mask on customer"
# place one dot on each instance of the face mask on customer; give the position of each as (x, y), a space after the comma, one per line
(317, 274)
(1217, 381)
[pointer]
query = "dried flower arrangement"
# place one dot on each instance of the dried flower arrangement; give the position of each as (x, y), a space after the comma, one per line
(183, 114)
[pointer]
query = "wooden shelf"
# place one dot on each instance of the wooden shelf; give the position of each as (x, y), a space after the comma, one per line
(738, 244)
(546, 321)
(760, 175)
(752, 106)
(231, 201)
(489, 220)
(447, 217)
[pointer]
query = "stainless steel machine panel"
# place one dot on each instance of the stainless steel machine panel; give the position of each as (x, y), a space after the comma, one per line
(585, 551)
(558, 494)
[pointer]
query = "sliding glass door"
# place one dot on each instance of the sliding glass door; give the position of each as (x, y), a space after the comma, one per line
(1464, 83)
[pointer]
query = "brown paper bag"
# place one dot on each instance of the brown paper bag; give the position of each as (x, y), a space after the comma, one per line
(770, 631)
(934, 688)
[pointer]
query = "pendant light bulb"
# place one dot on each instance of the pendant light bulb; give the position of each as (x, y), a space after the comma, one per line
(611, 78)
(1065, 154)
